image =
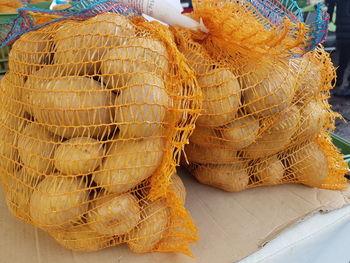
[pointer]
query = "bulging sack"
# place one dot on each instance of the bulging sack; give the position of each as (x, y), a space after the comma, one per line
(265, 117)
(95, 112)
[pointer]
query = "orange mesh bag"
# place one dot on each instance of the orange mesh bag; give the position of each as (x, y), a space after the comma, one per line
(95, 113)
(254, 28)
(265, 109)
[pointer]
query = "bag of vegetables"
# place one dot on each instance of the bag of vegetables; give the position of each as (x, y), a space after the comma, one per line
(265, 103)
(96, 108)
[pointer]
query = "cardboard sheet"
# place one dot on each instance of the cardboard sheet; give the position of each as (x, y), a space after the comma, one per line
(322, 238)
(232, 226)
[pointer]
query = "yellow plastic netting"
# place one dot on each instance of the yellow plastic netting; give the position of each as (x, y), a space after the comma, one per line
(241, 26)
(94, 115)
(265, 111)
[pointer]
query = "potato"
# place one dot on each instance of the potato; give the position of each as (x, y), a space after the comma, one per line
(114, 214)
(269, 90)
(141, 106)
(241, 132)
(309, 164)
(205, 136)
(197, 61)
(82, 45)
(175, 186)
(133, 56)
(178, 187)
(11, 120)
(221, 97)
(310, 79)
(82, 238)
(8, 152)
(35, 81)
(152, 228)
(20, 187)
(276, 138)
(177, 112)
(58, 202)
(72, 106)
(81, 155)
(269, 171)
(38, 79)
(214, 154)
(36, 147)
(128, 163)
(32, 50)
(313, 119)
(12, 113)
(11, 86)
(231, 178)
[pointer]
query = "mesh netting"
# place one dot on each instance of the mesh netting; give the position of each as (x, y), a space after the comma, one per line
(260, 27)
(95, 112)
(275, 11)
(265, 117)
(32, 18)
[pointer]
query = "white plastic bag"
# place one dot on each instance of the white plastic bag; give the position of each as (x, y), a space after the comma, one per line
(167, 11)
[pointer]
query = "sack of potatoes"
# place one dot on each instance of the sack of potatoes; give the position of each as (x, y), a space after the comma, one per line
(264, 120)
(94, 114)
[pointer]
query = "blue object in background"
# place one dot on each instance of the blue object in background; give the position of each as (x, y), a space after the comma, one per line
(58, 2)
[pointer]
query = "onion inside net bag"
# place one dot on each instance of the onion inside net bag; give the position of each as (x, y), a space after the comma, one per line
(95, 110)
(266, 117)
